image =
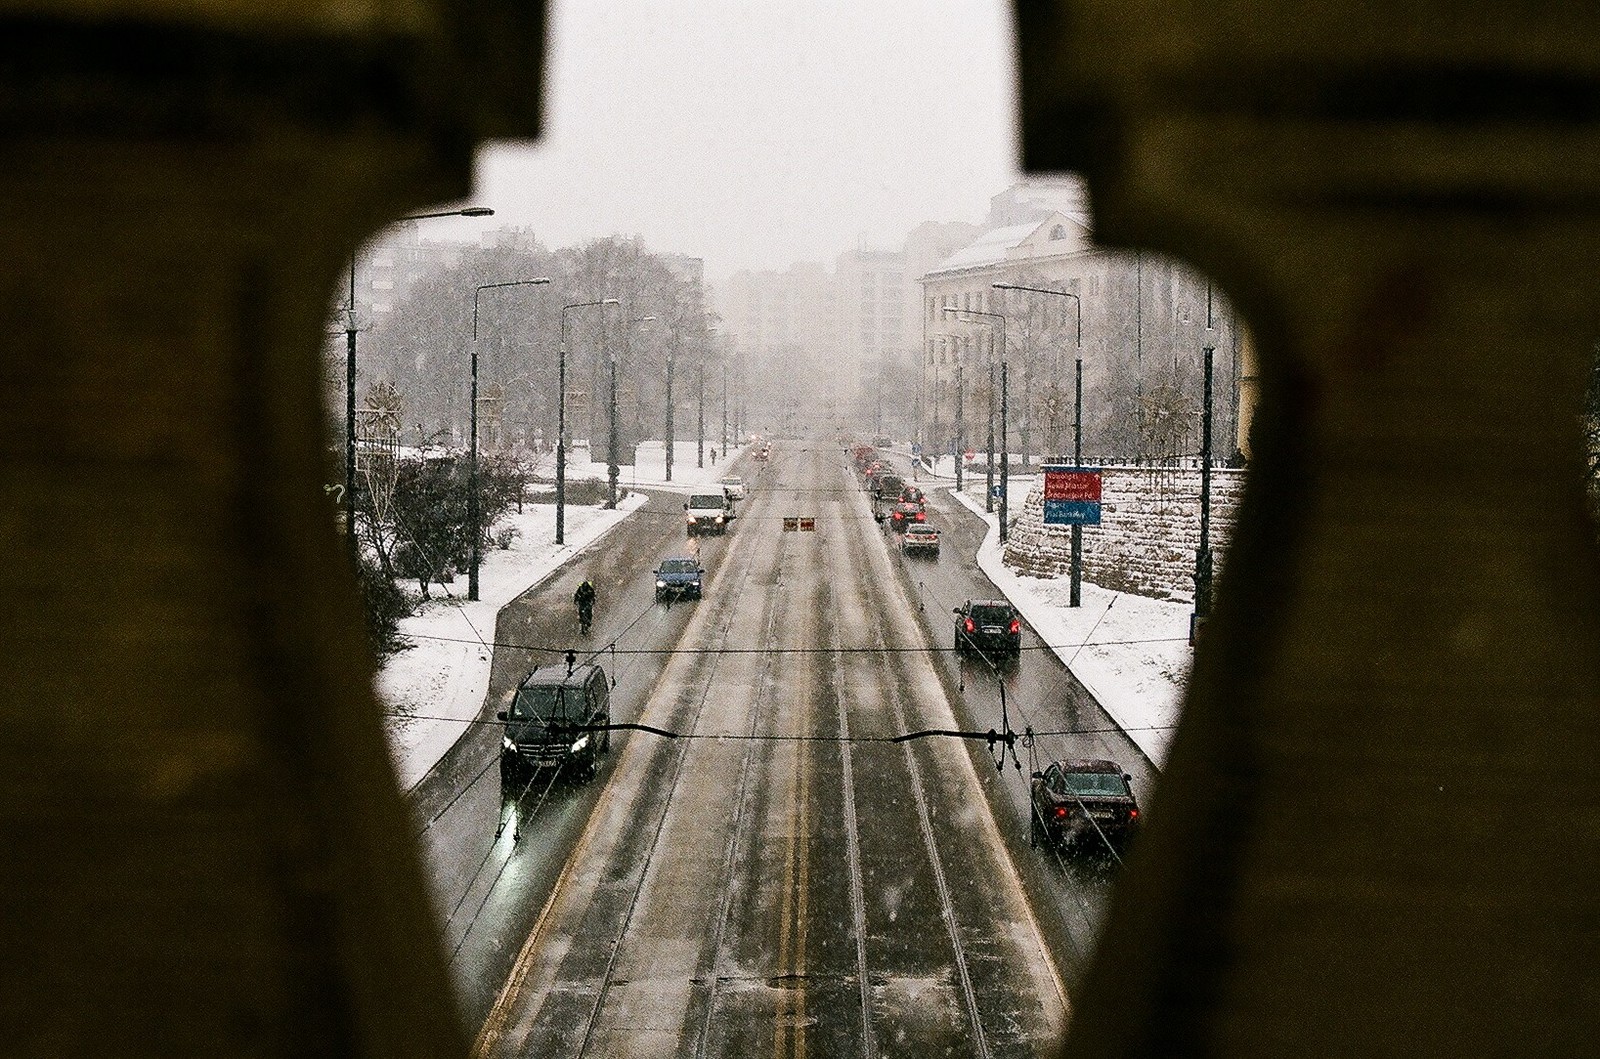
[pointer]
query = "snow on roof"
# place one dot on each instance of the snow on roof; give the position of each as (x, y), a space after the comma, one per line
(1000, 244)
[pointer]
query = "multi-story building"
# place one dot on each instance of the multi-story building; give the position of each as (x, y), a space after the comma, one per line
(1137, 322)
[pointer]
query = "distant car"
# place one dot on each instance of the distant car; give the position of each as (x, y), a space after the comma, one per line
(988, 626)
(887, 486)
(732, 486)
(920, 539)
(707, 513)
(910, 494)
(1088, 804)
(681, 577)
(551, 724)
(763, 452)
(903, 516)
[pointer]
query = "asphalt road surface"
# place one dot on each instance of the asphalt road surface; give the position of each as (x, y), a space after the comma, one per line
(781, 877)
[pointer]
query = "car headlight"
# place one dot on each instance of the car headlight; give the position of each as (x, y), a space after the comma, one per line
(660, 583)
(583, 741)
(719, 518)
(507, 745)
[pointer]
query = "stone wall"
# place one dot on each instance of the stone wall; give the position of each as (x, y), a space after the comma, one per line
(1148, 533)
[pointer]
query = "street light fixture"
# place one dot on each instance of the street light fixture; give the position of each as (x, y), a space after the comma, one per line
(350, 382)
(1075, 597)
(472, 444)
(561, 420)
(1005, 456)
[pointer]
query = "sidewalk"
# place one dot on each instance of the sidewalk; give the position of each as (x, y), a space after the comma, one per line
(1131, 652)
(435, 688)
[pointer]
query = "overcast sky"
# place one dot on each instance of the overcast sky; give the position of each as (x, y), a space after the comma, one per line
(756, 133)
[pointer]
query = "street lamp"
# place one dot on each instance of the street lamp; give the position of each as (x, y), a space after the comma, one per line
(1202, 558)
(1076, 596)
(561, 421)
(472, 445)
(350, 382)
(1005, 457)
(611, 451)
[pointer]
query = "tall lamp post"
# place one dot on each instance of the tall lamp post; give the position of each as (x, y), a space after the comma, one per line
(1202, 558)
(1076, 597)
(561, 419)
(612, 469)
(1005, 456)
(350, 380)
(671, 359)
(472, 444)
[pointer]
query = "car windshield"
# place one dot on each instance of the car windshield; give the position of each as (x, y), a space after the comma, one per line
(678, 566)
(547, 703)
(991, 615)
(1096, 784)
(706, 501)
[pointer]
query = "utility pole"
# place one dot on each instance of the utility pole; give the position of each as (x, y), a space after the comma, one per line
(700, 418)
(1005, 456)
(611, 441)
(350, 424)
(961, 449)
(473, 507)
(670, 361)
(724, 406)
(1075, 596)
(1202, 559)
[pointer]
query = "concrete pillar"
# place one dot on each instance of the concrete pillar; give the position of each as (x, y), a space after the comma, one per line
(205, 852)
(1374, 836)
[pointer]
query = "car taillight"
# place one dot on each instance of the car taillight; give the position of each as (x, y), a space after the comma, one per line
(1061, 811)
(1016, 626)
(971, 626)
(898, 516)
(1133, 814)
(921, 517)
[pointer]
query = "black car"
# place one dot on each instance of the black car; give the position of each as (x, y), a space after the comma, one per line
(679, 577)
(550, 724)
(1087, 804)
(990, 626)
(903, 516)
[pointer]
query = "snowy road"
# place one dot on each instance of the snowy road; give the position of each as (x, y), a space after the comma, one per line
(764, 885)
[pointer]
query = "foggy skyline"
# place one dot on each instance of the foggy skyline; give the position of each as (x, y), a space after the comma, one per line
(757, 134)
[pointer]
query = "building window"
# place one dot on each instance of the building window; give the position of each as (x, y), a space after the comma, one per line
(1058, 232)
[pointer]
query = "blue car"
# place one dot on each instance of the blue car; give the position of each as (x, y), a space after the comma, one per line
(679, 577)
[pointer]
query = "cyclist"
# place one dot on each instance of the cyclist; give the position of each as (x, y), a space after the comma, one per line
(584, 598)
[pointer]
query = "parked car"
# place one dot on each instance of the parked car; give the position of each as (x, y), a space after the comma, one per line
(708, 513)
(920, 539)
(732, 486)
(904, 515)
(1084, 803)
(988, 626)
(550, 724)
(681, 577)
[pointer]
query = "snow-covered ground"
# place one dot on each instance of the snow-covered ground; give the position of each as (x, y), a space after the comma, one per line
(1131, 652)
(435, 688)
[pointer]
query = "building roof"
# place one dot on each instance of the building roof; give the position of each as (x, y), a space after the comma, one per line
(999, 245)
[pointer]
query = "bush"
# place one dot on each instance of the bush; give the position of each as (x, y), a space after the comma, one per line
(505, 535)
(385, 604)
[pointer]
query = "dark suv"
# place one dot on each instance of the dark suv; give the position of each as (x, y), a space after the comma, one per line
(549, 720)
(991, 626)
(1083, 803)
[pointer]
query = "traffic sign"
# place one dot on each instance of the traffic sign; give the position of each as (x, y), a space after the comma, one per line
(1071, 496)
